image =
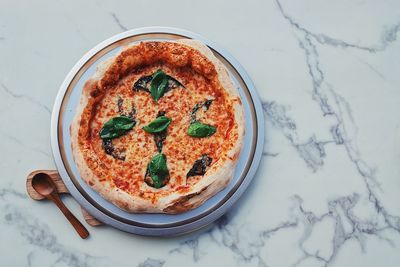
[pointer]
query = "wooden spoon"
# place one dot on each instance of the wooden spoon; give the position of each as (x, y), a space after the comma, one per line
(43, 184)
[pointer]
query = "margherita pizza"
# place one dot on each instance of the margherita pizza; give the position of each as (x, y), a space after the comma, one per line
(159, 127)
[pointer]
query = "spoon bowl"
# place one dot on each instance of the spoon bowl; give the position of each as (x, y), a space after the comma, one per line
(43, 184)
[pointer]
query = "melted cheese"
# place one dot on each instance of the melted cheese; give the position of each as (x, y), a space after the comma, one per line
(180, 149)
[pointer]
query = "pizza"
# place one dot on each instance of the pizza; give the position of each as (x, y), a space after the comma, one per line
(159, 127)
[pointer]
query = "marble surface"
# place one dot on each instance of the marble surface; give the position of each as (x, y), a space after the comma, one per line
(327, 190)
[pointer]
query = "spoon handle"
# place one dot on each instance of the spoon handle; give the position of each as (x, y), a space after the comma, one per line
(82, 231)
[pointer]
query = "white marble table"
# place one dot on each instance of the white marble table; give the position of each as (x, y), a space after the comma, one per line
(328, 189)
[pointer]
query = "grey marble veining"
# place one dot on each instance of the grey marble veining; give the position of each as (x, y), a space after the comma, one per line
(327, 190)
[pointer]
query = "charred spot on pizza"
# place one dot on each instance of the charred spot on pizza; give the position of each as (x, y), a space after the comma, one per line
(161, 113)
(121, 110)
(172, 84)
(200, 166)
(143, 84)
(157, 84)
(204, 104)
(120, 103)
(207, 103)
(115, 152)
(95, 93)
(132, 113)
(159, 139)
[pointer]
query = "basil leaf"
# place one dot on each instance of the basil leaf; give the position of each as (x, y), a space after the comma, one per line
(158, 85)
(158, 171)
(116, 127)
(158, 125)
(198, 129)
(158, 165)
(157, 181)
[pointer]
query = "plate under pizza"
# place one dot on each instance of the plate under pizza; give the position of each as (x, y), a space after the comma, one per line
(157, 131)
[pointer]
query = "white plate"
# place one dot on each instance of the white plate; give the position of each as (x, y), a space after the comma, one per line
(153, 224)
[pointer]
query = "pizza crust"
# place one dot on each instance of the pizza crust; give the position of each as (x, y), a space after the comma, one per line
(210, 184)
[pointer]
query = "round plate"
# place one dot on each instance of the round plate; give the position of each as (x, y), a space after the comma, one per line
(153, 224)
